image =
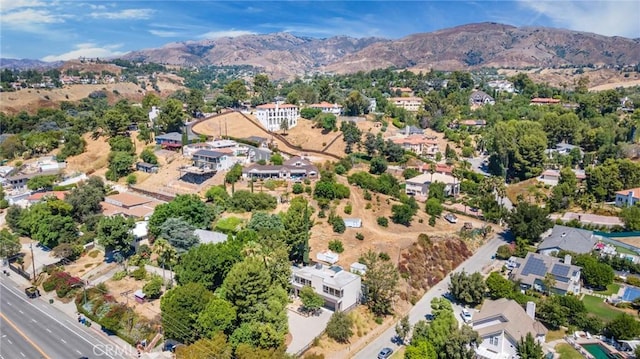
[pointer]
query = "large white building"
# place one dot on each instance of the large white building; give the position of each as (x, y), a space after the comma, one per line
(271, 115)
(340, 289)
(411, 104)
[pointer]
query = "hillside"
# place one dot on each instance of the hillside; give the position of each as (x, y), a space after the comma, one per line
(284, 55)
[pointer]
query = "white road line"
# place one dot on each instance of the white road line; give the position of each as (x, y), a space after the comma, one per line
(9, 303)
(21, 312)
(10, 342)
(75, 331)
(24, 356)
(33, 320)
(47, 329)
(62, 340)
(79, 352)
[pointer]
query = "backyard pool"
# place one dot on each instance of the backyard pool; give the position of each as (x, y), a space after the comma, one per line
(630, 294)
(598, 351)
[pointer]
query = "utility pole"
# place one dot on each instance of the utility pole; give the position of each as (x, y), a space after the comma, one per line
(33, 262)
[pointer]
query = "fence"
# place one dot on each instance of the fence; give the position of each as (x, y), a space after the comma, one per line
(21, 272)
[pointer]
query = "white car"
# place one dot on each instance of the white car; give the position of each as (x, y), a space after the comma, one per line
(451, 218)
(466, 316)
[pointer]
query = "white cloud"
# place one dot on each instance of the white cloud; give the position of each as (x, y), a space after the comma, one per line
(225, 33)
(29, 17)
(9, 5)
(127, 14)
(87, 50)
(165, 33)
(612, 18)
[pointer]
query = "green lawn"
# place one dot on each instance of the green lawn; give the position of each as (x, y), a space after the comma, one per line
(229, 224)
(554, 335)
(612, 288)
(624, 250)
(597, 306)
(566, 351)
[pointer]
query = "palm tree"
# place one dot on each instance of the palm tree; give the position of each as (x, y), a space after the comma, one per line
(167, 255)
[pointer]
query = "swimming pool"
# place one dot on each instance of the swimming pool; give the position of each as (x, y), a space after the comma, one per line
(630, 294)
(598, 351)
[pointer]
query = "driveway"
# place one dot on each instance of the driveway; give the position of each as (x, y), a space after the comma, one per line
(480, 261)
(305, 329)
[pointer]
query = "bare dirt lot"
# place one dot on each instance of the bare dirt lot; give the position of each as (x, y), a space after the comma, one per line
(599, 79)
(123, 290)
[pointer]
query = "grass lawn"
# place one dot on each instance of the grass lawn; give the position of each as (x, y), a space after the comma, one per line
(612, 288)
(399, 354)
(566, 351)
(229, 224)
(623, 250)
(597, 306)
(554, 335)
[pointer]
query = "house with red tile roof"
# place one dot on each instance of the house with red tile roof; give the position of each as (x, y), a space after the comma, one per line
(39, 196)
(628, 197)
(327, 107)
(418, 144)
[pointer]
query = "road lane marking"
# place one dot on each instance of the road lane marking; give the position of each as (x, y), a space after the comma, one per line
(47, 329)
(33, 320)
(44, 355)
(79, 352)
(10, 342)
(24, 356)
(62, 340)
(21, 312)
(74, 330)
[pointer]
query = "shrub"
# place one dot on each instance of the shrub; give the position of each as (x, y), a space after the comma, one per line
(132, 179)
(367, 195)
(94, 253)
(153, 288)
(119, 275)
(432, 221)
(338, 224)
(140, 273)
(322, 214)
(339, 327)
(368, 206)
(384, 256)
(297, 188)
(383, 221)
(336, 246)
(348, 208)
(359, 236)
(48, 285)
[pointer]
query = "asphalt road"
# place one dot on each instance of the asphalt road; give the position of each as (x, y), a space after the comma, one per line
(476, 263)
(39, 330)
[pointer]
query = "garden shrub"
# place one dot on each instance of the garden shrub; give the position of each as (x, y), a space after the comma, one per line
(383, 221)
(336, 246)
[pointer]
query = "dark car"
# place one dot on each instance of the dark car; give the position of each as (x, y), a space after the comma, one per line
(385, 353)
(32, 292)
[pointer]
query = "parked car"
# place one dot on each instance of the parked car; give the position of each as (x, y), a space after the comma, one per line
(385, 353)
(451, 218)
(466, 316)
(32, 292)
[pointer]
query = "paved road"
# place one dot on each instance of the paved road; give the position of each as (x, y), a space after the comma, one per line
(480, 260)
(50, 332)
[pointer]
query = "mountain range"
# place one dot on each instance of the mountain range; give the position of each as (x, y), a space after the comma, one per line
(284, 55)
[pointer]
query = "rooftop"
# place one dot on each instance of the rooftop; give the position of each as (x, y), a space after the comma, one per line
(508, 316)
(570, 239)
(209, 154)
(635, 192)
(126, 199)
(429, 178)
(535, 266)
(40, 195)
(334, 276)
(273, 105)
(325, 104)
(405, 99)
(207, 237)
(414, 140)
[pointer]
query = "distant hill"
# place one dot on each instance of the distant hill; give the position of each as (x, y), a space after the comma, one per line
(459, 48)
(26, 64)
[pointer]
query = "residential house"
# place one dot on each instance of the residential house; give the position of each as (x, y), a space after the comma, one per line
(539, 101)
(327, 107)
(190, 149)
(563, 238)
(353, 222)
(210, 237)
(212, 160)
(341, 290)
(272, 115)
(259, 141)
(295, 168)
(173, 140)
(502, 86)
(412, 130)
(256, 154)
(146, 167)
(501, 324)
(481, 98)
(19, 181)
(438, 168)
(473, 123)
(532, 271)
(418, 144)
(562, 149)
(129, 205)
(551, 177)
(628, 197)
(411, 104)
(419, 185)
(39, 196)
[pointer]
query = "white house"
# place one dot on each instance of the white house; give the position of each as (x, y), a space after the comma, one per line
(327, 107)
(411, 104)
(501, 86)
(501, 324)
(340, 289)
(353, 222)
(628, 197)
(213, 160)
(271, 115)
(153, 114)
(481, 98)
(419, 185)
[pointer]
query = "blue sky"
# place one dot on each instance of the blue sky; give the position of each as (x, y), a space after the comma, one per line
(60, 30)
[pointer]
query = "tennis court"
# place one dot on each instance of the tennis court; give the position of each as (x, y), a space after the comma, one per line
(630, 294)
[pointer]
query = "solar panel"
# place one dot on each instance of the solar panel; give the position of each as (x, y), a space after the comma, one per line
(560, 270)
(534, 266)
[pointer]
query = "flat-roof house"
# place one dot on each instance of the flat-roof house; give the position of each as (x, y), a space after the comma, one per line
(531, 270)
(212, 160)
(210, 237)
(294, 168)
(628, 197)
(259, 141)
(563, 238)
(411, 104)
(146, 167)
(501, 85)
(271, 115)
(341, 290)
(353, 222)
(419, 185)
(480, 98)
(473, 123)
(174, 139)
(129, 205)
(501, 324)
(552, 177)
(327, 107)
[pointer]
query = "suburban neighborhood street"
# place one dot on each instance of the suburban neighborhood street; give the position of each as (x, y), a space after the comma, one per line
(34, 329)
(476, 263)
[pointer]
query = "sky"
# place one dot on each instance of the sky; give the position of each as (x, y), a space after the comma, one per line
(53, 30)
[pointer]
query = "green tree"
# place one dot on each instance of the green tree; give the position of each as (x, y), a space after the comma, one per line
(420, 349)
(528, 221)
(180, 307)
(215, 347)
(208, 264)
(469, 289)
(246, 285)
(309, 112)
(167, 255)
(237, 90)
(114, 121)
(264, 88)
(311, 301)
(402, 214)
(355, 104)
(119, 165)
(339, 327)
(595, 274)
(179, 233)
(403, 328)
(85, 199)
(195, 102)
(277, 159)
(297, 224)
(171, 117)
(153, 288)
(631, 217)
(327, 121)
(74, 145)
(218, 195)
(433, 207)
(114, 233)
(623, 327)
(148, 156)
(121, 144)
(378, 166)
(42, 182)
(499, 286)
(380, 281)
(218, 316)
(189, 207)
(9, 243)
